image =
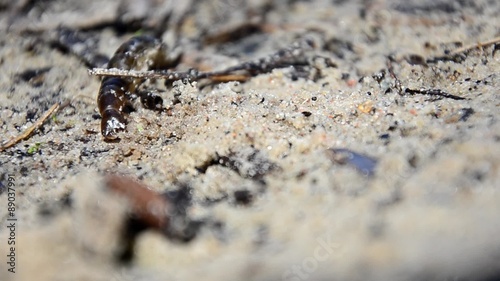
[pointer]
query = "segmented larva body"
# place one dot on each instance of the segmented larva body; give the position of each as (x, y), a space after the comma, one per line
(138, 53)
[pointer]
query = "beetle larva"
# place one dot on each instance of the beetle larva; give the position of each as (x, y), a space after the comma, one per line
(138, 53)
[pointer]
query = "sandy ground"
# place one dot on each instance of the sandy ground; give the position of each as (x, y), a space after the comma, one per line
(419, 199)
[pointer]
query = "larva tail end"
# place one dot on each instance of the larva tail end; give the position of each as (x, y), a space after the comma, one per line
(112, 122)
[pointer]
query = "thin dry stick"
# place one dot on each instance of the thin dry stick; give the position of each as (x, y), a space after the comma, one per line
(474, 46)
(168, 75)
(284, 57)
(216, 76)
(27, 133)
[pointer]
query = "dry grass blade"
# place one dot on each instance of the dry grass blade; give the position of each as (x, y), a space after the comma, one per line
(27, 133)
(474, 46)
(148, 74)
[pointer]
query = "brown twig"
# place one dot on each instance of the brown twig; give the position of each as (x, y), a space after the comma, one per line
(28, 132)
(147, 205)
(229, 78)
(153, 210)
(474, 46)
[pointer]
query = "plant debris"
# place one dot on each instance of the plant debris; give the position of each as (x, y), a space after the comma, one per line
(433, 92)
(28, 132)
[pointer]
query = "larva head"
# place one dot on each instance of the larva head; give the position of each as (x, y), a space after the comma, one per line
(136, 53)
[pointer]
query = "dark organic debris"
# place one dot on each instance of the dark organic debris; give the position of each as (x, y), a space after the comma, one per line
(462, 115)
(85, 152)
(243, 197)
(364, 164)
(80, 44)
(303, 72)
(379, 76)
(384, 136)
(248, 163)
(339, 47)
(181, 198)
(495, 49)
(54, 207)
(421, 7)
(151, 100)
(235, 33)
(306, 113)
(3, 188)
(35, 77)
(466, 113)
(31, 114)
(415, 60)
(433, 92)
(456, 58)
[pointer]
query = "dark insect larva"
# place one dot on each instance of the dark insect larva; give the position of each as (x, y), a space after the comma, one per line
(139, 53)
(111, 101)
